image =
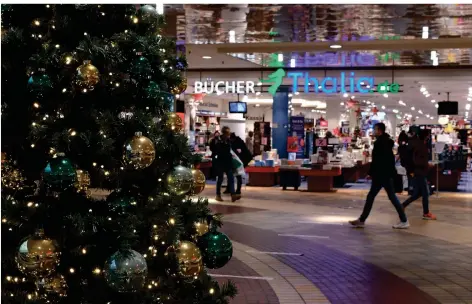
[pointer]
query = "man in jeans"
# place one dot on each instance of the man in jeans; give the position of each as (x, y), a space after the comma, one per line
(419, 173)
(223, 163)
(382, 171)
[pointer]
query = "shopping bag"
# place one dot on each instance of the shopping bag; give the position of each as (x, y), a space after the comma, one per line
(238, 167)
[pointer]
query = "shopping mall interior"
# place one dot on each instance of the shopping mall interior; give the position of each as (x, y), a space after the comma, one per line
(307, 79)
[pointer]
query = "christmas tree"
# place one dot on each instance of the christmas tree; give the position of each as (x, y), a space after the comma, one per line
(87, 103)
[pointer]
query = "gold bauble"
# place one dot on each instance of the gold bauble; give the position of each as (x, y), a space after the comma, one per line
(180, 88)
(201, 228)
(180, 180)
(54, 286)
(174, 122)
(83, 181)
(139, 152)
(189, 257)
(198, 181)
(38, 255)
(87, 76)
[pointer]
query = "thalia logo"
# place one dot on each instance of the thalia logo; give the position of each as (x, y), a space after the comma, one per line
(345, 83)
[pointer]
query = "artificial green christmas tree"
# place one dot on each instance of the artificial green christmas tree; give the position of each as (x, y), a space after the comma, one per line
(87, 102)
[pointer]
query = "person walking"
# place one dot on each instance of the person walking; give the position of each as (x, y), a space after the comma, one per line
(241, 150)
(382, 171)
(223, 163)
(250, 142)
(419, 172)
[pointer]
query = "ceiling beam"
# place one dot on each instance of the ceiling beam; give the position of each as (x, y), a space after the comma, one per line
(384, 45)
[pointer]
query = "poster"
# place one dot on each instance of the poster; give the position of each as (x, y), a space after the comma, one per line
(292, 144)
(297, 124)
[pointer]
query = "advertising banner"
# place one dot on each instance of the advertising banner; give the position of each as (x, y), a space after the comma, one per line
(297, 128)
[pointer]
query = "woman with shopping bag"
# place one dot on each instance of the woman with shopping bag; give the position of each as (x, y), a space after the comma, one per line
(222, 160)
(241, 159)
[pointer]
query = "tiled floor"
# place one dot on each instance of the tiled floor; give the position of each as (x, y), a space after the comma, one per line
(301, 247)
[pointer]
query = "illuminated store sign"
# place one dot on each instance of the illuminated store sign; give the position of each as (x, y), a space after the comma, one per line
(221, 87)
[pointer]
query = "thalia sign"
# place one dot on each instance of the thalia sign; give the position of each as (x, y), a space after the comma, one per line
(345, 83)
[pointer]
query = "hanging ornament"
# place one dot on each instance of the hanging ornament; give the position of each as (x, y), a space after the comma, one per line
(38, 255)
(126, 271)
(174, 122)
(216, 248)
(189, 258)
(39, 83)
(59, 173)
(198, 182)
(83, 181)
(148, 14)
(87, 76)
(180, 180)
(55, 286)
(152, 90)
(140, 67)
(120, 201)
(11, 177)
(180, 88)
(201, 228)
(139, 152)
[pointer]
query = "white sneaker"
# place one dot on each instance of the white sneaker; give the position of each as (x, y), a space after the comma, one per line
(401, 225)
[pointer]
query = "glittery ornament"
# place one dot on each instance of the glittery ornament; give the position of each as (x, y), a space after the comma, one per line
(55, 286)
(216, 248)
(141, 67)
(87, 76)
(189, 258)
(39, 83)
(180, 180)
(174, 122)
(38, 255)
(59, 173)
(199, 181)
(11, 177)
(139, 152)
(83, 181)
(180, 88)
(126, 271)
(152, 90)
(201, 228)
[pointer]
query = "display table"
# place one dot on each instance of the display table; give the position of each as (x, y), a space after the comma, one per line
(262, 176)
(205, 167)
(320, 180)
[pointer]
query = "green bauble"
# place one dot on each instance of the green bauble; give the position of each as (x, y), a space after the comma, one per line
(148, 14)
(152, 90)
(120, 201)
(126, 271)
(180, 180)
(141, 67)
(60, 173)
(216, 249)
(39, 83)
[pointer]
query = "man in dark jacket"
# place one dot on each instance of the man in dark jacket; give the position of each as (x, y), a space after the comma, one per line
(240, 149)
(222, 161)
(382, 171)
(419, 172)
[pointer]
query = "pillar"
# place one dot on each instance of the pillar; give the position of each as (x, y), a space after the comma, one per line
(280, 121)
(333, 114)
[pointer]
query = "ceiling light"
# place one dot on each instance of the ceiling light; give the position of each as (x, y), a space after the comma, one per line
(469, 99)
(412, 108)
(383, 107)
(368, 102)
(427, 95)
(466, 114)
(436, 106)
(206, 57)
(443, 120)
(417, 117)
(335, 46)
(425, 92)
(467, 106)
(368, 86)
(395, 111)
(431, 117)
(419, 111)
(352, 97)
(345, 95)
(258, 93)
(290, 95)
(342, 103)
(297, 93)
(259, 83)
(258, 105)
(433, 101)
(423, 89)
(385, 95)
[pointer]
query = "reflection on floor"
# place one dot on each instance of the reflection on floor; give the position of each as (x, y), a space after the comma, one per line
(296, 247)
